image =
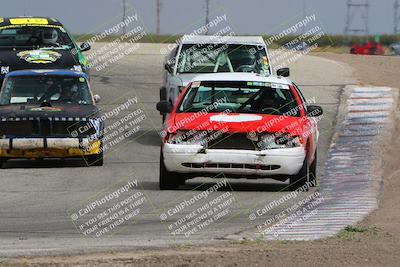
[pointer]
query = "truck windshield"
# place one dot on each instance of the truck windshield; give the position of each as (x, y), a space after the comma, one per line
(52, 89)
(208, 58)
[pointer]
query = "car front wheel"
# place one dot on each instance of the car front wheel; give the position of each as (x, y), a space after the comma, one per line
(168, 180)
(301, 178)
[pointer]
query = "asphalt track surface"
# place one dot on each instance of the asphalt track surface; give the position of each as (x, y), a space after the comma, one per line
(38, 198)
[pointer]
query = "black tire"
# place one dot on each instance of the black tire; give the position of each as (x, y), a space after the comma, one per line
(168, 180)
(95, 160)
(2, 162)
(163, 93)
(301, 178)
(313, 171)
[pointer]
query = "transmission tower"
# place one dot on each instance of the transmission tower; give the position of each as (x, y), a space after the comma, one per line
(207, 13)
(124, 16)
(397, 17)
(357, 10)
(158, 16)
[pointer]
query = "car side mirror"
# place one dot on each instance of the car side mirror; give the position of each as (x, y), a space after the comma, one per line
(85, 46)
(314, 111)
(96, 98)
(168, 68)
(284, 72)
(164, 106)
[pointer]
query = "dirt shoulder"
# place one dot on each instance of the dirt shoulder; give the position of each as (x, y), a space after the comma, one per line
(374, 242)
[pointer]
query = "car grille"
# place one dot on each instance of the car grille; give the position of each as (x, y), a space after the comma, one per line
(231, 166)
(44, 127)
(232, 141)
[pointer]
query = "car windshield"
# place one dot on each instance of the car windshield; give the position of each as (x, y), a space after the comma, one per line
(208, 58)
(239, 97)
(34, 36)
(51, 89)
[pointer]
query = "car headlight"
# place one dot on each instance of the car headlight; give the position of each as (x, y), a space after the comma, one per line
(77, 68)
(274, 141)
(188, 138)
(5, 69)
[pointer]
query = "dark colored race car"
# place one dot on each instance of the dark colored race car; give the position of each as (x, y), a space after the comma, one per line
(38, 43)
(49, 114)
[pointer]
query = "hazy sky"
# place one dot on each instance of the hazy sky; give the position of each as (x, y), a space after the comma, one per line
(179, 16)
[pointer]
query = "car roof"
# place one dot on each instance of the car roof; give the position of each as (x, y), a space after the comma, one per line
(27, 21)
(215, 39)
(241, 76)
(39, 72)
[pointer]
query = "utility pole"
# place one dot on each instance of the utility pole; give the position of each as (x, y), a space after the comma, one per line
(207, 13)
(396, 17)
(124, 16)
(24, 7)
(357, 9)
(158, 16)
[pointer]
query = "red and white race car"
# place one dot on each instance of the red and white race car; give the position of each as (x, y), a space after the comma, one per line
(241, 125)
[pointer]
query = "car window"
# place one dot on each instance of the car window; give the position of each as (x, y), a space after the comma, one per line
(25, 36)
(39, 89)
(209, 58)
(239, 97)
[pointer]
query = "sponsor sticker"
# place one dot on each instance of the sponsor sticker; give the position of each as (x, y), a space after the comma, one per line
(51, 109)
(39, 56)
(279, 86)
(196, 84)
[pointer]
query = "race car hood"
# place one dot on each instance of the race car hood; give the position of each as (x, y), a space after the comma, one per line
(22, 59)
(61, 111)
(236, 123)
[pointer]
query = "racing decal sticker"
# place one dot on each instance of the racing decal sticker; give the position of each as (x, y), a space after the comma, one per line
(5, 69)
(235, 118)
(196, 84)
(31, 21)
(39, 56)
(259, 84)
(48, 109)
(279, 86)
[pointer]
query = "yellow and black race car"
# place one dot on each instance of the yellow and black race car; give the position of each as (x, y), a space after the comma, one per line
(38, 43)
(49, 114)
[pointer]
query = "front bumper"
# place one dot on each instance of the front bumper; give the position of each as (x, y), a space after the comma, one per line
(48, 147)
(194, 159)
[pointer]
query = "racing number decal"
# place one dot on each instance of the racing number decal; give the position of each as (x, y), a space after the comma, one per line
(30, 21)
